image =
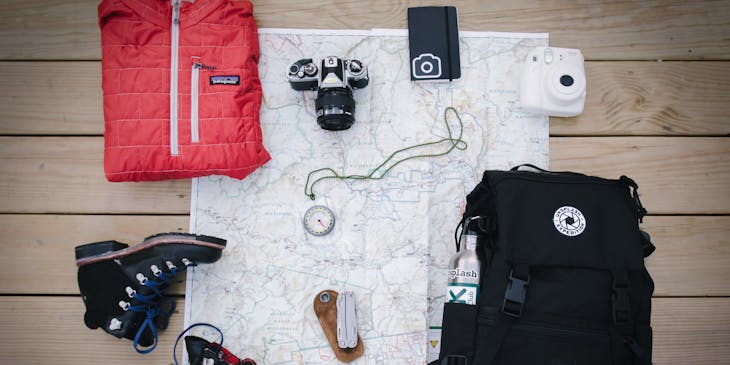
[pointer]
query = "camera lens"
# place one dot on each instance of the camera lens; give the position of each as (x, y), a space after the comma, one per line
(293, 69)
(335, 108)
(566, 80)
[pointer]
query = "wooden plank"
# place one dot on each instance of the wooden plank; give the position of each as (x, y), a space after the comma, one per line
(624, 98)
(692, 256)
(691, 330)
(652, 98)
(51, 98)
(686, 331)
(51, 330)
(65, 175)
(36, 251)
(687, 175)
(40, 30)
(646, 30)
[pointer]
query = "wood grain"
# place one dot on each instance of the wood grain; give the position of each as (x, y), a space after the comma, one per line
(692, 256)
(38, 330)
(691, 330)
(64, 175)
(47, 175)
(49, 30)
(32, 246)
(652, 98)
(627, 30)
(686, 331)
(687, 175)
(53, 195)
(56, 98)
(623, 98)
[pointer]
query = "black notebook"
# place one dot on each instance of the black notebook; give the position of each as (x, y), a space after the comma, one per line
(433, 38)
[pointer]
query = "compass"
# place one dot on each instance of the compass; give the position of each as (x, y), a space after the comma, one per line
(319, 220)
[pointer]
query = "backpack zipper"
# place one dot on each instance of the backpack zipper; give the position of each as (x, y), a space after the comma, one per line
(556, 177)
(560, 332)
(174, 60)
(194, 91)
(531, 326)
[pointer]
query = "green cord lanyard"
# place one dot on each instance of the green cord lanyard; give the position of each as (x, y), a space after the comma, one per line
(455, 143)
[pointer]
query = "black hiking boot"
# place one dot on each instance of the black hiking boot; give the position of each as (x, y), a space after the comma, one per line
(202, 352)
(123, 286)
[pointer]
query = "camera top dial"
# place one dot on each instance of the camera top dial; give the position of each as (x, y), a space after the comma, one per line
(303, 75)
(357, 74)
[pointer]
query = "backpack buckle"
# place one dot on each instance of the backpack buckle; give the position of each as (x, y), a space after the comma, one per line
(621, 303)
(514, 295)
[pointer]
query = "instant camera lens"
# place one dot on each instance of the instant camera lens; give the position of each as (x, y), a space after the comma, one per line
(566, 80)
(335, 108)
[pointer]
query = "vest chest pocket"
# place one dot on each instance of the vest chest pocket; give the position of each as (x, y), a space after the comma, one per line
(194, 103)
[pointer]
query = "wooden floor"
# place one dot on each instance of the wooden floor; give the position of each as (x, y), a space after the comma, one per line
(657, 110)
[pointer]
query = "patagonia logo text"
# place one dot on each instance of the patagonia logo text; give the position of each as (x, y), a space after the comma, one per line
(225, 80)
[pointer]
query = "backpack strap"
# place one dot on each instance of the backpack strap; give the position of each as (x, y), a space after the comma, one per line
(514, 299)
(518, 167)
(646, 246)
(477, 203)
(641, 212)
(623, 345)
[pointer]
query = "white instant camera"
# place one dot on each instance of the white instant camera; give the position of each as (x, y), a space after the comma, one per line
(553, 82)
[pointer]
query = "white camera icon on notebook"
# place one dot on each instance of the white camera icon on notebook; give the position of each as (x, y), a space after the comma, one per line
(426, 66)
(554, 82)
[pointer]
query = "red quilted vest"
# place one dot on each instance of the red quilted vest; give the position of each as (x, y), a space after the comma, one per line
(181, 89)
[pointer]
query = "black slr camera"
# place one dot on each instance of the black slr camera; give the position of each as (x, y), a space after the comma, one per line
(334, 83)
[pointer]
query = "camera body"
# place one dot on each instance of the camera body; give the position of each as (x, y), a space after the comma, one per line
(553, 82)
(334, 82)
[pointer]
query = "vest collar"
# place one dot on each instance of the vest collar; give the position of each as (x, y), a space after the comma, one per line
(159, 12)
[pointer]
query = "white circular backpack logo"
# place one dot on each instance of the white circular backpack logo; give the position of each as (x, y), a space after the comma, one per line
(569, 221)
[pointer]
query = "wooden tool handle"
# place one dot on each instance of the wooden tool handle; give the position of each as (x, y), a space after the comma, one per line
(325, 307)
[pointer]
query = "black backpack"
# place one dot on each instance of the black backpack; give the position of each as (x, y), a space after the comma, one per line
(562, 280)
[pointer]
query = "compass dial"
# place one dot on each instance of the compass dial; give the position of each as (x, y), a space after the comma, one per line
(319, 220)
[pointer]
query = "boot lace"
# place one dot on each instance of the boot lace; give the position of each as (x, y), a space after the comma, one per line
(156, 306)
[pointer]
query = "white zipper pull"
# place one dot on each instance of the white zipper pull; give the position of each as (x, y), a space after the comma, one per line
(175, 11)
(194, 93)
(200, 65)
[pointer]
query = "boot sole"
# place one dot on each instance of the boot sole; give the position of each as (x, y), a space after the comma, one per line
(98, 248)
(110, 250)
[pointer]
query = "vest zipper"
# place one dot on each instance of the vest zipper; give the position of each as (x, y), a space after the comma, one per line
(194, 92)
(174, 60)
